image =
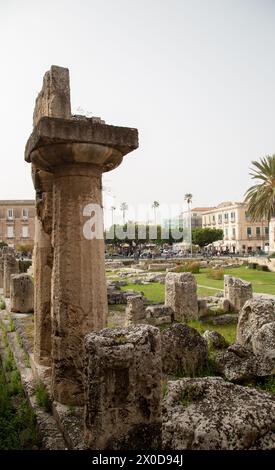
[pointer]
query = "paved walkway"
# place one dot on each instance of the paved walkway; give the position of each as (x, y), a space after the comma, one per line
(255, 294)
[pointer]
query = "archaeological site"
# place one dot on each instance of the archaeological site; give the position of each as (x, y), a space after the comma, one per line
(103, 363)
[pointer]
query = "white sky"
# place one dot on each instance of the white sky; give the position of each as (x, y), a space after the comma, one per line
(196, 77)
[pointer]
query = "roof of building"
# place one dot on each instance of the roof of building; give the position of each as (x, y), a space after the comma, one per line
(201, 209)
(17, 202)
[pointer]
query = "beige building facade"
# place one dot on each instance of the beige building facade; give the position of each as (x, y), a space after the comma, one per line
(240, 234)
(17, 220)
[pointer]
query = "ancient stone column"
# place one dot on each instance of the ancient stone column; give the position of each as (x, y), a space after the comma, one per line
(76, 150)
(21, 293)
(181, 295)
(11, 266)
(1, 269)
(237, 292)
(43, 260)
(123, 389)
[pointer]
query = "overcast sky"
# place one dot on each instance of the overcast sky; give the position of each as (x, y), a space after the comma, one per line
(196, 77)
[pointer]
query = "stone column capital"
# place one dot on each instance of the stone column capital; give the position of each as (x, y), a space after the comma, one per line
(57, 142)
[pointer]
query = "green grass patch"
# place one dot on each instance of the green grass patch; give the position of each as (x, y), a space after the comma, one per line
(153, 291)
(42, 397)
(18, 429)
(262, 282)
(228, 331)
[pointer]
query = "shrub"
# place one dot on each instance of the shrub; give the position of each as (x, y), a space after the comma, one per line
(216, 273)
(252, 265)
(191, 267)
(24, 265)
(272, 255)
(43, 398)
(2, 305)
(262, 268)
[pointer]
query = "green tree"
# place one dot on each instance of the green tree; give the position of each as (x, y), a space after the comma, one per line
(260, 198)
(204, 236)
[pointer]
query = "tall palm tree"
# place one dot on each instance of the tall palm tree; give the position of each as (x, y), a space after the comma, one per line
(188, 198)
(124, 208)
(260, 198)
(113, 208)
(155, 205)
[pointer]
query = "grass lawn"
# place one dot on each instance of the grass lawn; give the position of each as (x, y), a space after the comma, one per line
(228, 331)
(262, 282)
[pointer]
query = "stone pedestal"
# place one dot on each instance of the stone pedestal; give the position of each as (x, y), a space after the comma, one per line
(181, 296)
(135, 310)
(237, 292)
(123, 389)
(21, 293)
(11, 266)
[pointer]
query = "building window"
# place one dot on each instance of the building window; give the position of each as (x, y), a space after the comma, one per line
(10, 232)
(226, 216)
(220, 218)
(10, 214)
(249, 231)
(25, 231)
(234, 232)
(266, 231)
(25, 213)
(232, 216)
(226, 232)
(213, 218)
(258, 231)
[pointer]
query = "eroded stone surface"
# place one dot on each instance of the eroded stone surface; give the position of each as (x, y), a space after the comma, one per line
(237, 291)
(123, 389)
(181, 295)
(239, 364)
(211, 414)
(215, 340)
(11, 266)
(21, 293)
(256, 326)
(183, 349)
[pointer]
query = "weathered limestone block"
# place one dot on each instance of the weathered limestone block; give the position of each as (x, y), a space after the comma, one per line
(256, 326)
(237, 291)
(158, 314)
(181, 295)
(239, 364)
(135, 310)
(211, 414)
(76, 150)
(54, 98)
(215, 340)
(11, 266)
(123, 389)
(184, 351)
(21, 293)
(224, 304)
(202, 308)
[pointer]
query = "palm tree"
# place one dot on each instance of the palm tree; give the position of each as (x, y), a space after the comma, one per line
(124, 208)
(155, 205)
(113, 208)
(260, 198)
(188, 198)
